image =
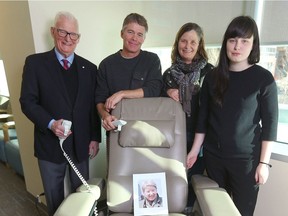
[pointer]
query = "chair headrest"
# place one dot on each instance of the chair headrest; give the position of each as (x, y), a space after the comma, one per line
(153, 133)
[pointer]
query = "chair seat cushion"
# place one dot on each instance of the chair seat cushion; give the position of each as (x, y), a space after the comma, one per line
(13, 156)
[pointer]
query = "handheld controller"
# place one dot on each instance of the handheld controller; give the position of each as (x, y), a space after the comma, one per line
(67, 125)
(119, 124)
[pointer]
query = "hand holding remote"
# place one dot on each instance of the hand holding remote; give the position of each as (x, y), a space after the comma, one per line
(119, 124)
(67, 126)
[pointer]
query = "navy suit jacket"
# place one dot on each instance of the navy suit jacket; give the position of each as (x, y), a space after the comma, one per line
(44, 97)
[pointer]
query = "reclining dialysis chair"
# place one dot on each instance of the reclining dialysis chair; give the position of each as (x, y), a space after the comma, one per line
(153, 140)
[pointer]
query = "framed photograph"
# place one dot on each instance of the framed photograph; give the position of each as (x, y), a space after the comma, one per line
(150, 194)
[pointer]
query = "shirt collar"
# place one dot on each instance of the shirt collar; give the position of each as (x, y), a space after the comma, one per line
(60, 57)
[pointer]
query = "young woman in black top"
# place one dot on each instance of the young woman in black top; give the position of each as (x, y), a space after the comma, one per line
(238, 117)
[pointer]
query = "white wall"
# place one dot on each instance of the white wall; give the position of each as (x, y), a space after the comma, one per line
(273, 196)
(101, 21)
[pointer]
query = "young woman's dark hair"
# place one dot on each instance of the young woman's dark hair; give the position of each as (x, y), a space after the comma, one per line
(242, 27)
(186, 28)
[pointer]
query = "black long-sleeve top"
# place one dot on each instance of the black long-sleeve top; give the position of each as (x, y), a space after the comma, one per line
(248, 116)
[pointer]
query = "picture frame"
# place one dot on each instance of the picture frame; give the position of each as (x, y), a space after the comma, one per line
(150, 194)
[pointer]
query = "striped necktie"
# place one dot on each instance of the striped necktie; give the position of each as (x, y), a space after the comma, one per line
(65, 64)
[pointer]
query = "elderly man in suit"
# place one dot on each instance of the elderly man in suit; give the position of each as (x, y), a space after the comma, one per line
(58, 85)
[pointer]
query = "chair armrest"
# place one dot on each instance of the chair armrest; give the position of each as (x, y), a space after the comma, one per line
(212, 200)
(6, 126)
(78, 203)
(82, 202)
(201, 181)
(216, 202)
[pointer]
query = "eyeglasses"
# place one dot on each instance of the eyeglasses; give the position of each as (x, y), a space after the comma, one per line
(72, 35)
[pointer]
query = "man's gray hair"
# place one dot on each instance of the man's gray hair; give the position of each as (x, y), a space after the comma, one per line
(67, 15)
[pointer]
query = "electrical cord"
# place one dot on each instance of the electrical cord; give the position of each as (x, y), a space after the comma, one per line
(77, 173)
(37, 202)
(67, 125)
(75, 168)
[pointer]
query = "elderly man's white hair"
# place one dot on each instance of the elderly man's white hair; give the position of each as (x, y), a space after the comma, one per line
(67, 15)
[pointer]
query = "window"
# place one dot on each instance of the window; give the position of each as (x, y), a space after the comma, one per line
(275, 59)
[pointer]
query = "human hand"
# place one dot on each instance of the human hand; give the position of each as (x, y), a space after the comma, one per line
(107, 122)
(173, 93)
(191, 159)
(93, 149)
(262, 174)
(112, 101)
(58, 129)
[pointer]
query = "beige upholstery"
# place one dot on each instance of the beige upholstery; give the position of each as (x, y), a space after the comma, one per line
(82, 202)
(99, 183)
(211, 200)
(153, 140)
(201, 181)
(130, 214)
(78, 204)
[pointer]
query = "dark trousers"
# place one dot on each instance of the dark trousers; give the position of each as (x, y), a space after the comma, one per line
(197, 168)
(237, 176)
(53, 181)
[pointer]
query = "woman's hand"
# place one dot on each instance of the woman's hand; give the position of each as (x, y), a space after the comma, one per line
(173, 93)
(262, 174)
(191, 159)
